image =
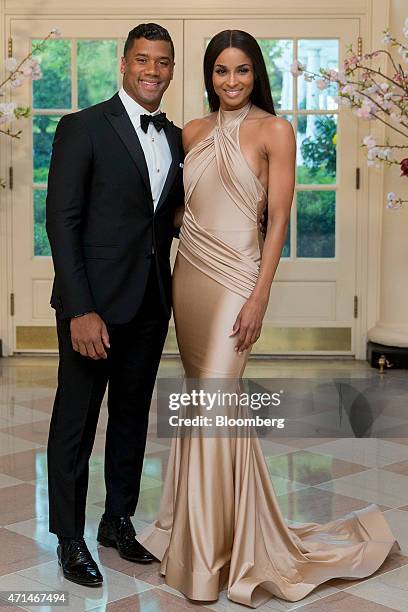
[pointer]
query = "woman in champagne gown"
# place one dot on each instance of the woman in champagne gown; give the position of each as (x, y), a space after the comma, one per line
(219, 524)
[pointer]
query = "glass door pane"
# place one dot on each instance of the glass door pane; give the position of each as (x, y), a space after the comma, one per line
(76, 74)
(79, 69)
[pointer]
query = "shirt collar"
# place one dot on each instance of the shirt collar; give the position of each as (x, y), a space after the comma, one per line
(134, 109)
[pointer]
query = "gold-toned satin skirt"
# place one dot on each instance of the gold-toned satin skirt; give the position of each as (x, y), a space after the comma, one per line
(219, 524)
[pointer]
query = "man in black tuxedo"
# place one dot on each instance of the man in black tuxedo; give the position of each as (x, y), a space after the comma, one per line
(114, 184)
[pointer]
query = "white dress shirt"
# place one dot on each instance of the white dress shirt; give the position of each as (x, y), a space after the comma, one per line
(154, 144)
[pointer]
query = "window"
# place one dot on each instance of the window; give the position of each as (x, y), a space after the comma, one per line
(313, 114)
(76, 74)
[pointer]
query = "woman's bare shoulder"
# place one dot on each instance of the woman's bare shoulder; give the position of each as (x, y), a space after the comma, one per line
(274, 131)
(196, 129)
(270, 122)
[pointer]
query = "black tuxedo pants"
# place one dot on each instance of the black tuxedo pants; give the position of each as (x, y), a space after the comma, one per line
(129, 372)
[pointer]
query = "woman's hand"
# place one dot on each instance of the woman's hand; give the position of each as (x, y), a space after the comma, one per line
(248, 323)
(178, 217)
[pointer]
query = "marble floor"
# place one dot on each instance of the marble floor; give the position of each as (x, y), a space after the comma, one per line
(316, 479)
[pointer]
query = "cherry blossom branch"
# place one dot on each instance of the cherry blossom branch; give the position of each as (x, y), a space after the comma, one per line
(11, 134)
(392, 146)
(372, 95)
(55, 32)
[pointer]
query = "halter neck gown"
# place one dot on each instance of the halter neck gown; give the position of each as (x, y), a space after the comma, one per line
(219, 524)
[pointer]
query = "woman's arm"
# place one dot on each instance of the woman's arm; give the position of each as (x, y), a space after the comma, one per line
(280, 146)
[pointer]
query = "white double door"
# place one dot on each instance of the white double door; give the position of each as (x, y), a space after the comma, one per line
(312, 301)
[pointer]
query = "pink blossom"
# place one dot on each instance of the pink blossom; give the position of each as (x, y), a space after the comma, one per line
(10, 64)
(7, 111)
(16, 82)
(31, 68)
(385, 153)
(348, 89)
(341, 77)
(371, 89)
(387, 38)
(332, 75)
(343, 101)
(369, 141)
(297, 68)
(354, 60)
(365, 111)
(321, 84)
(373, 153)
(393, 201)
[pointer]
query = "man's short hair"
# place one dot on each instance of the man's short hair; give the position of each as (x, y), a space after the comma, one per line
(150, 31)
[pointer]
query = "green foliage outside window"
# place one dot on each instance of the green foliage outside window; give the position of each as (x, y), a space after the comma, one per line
(54, 89)
(97, 71)
(43, 134)
(273, 50)
(319, 152)
(316, 215)
(41, 244)
(96, 81)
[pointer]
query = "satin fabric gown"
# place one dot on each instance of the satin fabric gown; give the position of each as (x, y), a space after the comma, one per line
(219, 523)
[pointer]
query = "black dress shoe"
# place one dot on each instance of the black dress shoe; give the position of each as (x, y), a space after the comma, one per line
(77, 563)
(119, 533)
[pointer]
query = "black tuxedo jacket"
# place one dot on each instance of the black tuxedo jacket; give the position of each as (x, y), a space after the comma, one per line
(103, 230)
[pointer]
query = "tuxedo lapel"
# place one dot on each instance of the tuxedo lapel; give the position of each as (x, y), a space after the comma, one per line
(172, 139)
(121, 123)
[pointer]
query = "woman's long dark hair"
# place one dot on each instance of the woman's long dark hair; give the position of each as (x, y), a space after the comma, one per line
(261, 94)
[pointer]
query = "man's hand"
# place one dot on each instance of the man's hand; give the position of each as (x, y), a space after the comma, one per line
(178, 216)
(89, 336)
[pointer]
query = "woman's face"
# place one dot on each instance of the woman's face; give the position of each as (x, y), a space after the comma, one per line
(233, 78)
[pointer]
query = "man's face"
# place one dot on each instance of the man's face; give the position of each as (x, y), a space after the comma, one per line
(147, 71)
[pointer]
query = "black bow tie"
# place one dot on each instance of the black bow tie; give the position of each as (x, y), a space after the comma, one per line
(159, 121)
